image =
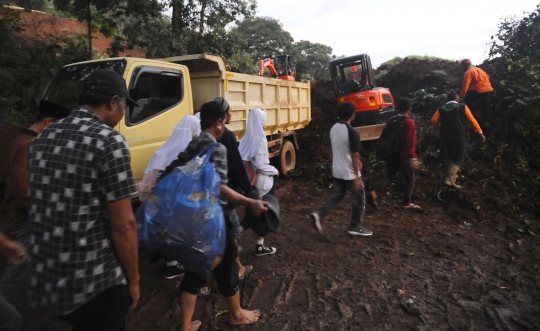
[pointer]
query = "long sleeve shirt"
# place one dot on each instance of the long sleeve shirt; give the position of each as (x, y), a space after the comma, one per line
(436, 119)
(477, 80)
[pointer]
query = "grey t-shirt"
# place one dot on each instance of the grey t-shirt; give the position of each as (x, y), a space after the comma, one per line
(345, 141)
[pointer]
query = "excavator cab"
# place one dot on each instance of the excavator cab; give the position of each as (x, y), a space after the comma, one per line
(354, 82)
(282, 67)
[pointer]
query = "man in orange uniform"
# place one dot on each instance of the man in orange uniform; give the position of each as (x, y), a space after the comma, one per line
(452, 120)
(476, 89)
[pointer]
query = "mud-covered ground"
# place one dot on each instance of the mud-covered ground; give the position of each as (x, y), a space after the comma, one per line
(430, 271)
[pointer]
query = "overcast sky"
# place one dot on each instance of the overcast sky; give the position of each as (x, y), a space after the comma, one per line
(384, 29)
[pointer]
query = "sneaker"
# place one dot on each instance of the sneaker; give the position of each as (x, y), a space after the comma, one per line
(359, 231)
(317, 222)
(174, 271)
(261, 250)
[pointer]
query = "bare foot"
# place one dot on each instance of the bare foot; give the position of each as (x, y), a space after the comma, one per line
(247, 317)
(195, 325)
(241, 271)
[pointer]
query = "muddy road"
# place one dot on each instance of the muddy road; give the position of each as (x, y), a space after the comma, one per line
(419, 271)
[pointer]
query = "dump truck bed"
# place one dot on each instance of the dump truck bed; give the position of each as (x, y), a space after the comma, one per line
(287, 103)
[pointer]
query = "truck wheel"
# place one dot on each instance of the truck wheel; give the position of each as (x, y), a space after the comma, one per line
(287, 158)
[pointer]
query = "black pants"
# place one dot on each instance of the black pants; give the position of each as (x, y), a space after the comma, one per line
(107, 311)
(456, 148)
(226, 272)
(479, 104)
(403, 165)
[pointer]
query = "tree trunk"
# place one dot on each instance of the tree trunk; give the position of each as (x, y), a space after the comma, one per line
(176, 20)
(201, 23)
(89, 18)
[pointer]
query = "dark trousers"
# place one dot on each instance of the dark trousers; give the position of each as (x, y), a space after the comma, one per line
(358, 199)
(226, 272)
(10, 318)
(456, 148)
(404, 166)
(479, 104)
(107, 311)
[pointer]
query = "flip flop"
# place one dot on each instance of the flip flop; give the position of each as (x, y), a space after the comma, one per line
(413, 207)
(204, 293)
(371, 199)
(249, 268)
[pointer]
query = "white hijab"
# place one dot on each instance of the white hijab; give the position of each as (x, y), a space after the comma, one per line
(254, 138)
(182, 135)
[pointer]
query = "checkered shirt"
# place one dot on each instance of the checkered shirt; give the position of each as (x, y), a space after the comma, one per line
(77, 166)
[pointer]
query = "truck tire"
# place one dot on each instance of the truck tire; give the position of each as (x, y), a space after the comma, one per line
(287, 158)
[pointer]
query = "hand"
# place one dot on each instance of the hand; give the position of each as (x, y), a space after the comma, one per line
(358, 184)
(14, 251)
(258, 207)
(135, 294)
(415, 164)
(482, 137)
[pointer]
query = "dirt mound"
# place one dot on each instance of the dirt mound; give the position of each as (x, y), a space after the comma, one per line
(412, 75)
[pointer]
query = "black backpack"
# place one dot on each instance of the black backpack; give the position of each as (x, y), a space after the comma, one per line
(389, 144)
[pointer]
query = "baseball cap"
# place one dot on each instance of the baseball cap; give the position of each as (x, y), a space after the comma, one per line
(108, 82)
(222, 102)
(465, 63)
(212, 111)
(51, 109)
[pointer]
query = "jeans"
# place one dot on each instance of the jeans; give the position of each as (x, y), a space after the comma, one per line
(358, 199)
(403, 165)
(107, 311)
(10, 318)
(235, 223)
(456, 148)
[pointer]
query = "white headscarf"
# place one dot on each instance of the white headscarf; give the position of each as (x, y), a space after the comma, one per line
(183, 133)
(254, 138)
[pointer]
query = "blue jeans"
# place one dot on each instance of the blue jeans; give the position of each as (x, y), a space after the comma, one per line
(358, 199)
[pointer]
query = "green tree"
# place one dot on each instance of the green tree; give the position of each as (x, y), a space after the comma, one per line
(312, 60)
(258, 38)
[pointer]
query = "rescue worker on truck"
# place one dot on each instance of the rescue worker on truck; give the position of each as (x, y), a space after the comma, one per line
(476, 90)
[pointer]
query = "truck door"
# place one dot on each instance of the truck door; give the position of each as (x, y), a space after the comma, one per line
(160, 93)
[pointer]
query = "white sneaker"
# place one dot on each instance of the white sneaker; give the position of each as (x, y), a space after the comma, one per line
(317, 222)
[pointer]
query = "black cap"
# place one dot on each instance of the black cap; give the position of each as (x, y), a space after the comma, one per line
(108, 82)
(212, 111)
(54, 110)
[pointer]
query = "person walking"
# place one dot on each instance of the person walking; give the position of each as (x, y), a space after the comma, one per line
(254, 152)
(83, 252)
(452, 119)
(407, 160)
(213, 118)
(346, 166)
(238, 180)
(476, 90)
(15, 278)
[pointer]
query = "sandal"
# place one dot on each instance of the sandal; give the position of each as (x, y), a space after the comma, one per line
(204, 292)
(249, 268)
(371, 199)
(413, 207)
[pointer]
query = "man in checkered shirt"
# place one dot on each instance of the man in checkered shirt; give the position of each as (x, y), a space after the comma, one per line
(83, 239)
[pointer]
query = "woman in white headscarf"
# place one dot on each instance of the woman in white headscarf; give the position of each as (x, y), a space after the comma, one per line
(253, 149)
(188, 128)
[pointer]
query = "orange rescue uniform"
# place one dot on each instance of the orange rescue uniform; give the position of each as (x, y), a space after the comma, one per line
(477, 80)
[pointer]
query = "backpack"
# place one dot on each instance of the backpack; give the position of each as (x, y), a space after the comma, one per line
(389, 143)
(182, 218)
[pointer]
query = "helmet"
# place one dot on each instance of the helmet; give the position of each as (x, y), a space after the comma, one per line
(465, 63)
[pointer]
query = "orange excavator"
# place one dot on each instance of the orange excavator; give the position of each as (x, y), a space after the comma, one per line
(282, 67)
(353, 81)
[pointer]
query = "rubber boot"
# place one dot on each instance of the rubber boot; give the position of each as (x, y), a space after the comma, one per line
(451, 176)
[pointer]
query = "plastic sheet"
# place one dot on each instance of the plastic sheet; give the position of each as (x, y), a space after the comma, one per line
(182, 218)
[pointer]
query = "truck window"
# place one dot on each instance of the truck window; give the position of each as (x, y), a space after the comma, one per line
(387, 98)
(66, 85)
(156, 90)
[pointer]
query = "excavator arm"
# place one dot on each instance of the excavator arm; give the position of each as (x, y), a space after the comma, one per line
(270, 64)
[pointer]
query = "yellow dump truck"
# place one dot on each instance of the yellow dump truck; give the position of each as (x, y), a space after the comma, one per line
(171, 88)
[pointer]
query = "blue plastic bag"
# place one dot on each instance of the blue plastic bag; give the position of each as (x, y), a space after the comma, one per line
(182, 218)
